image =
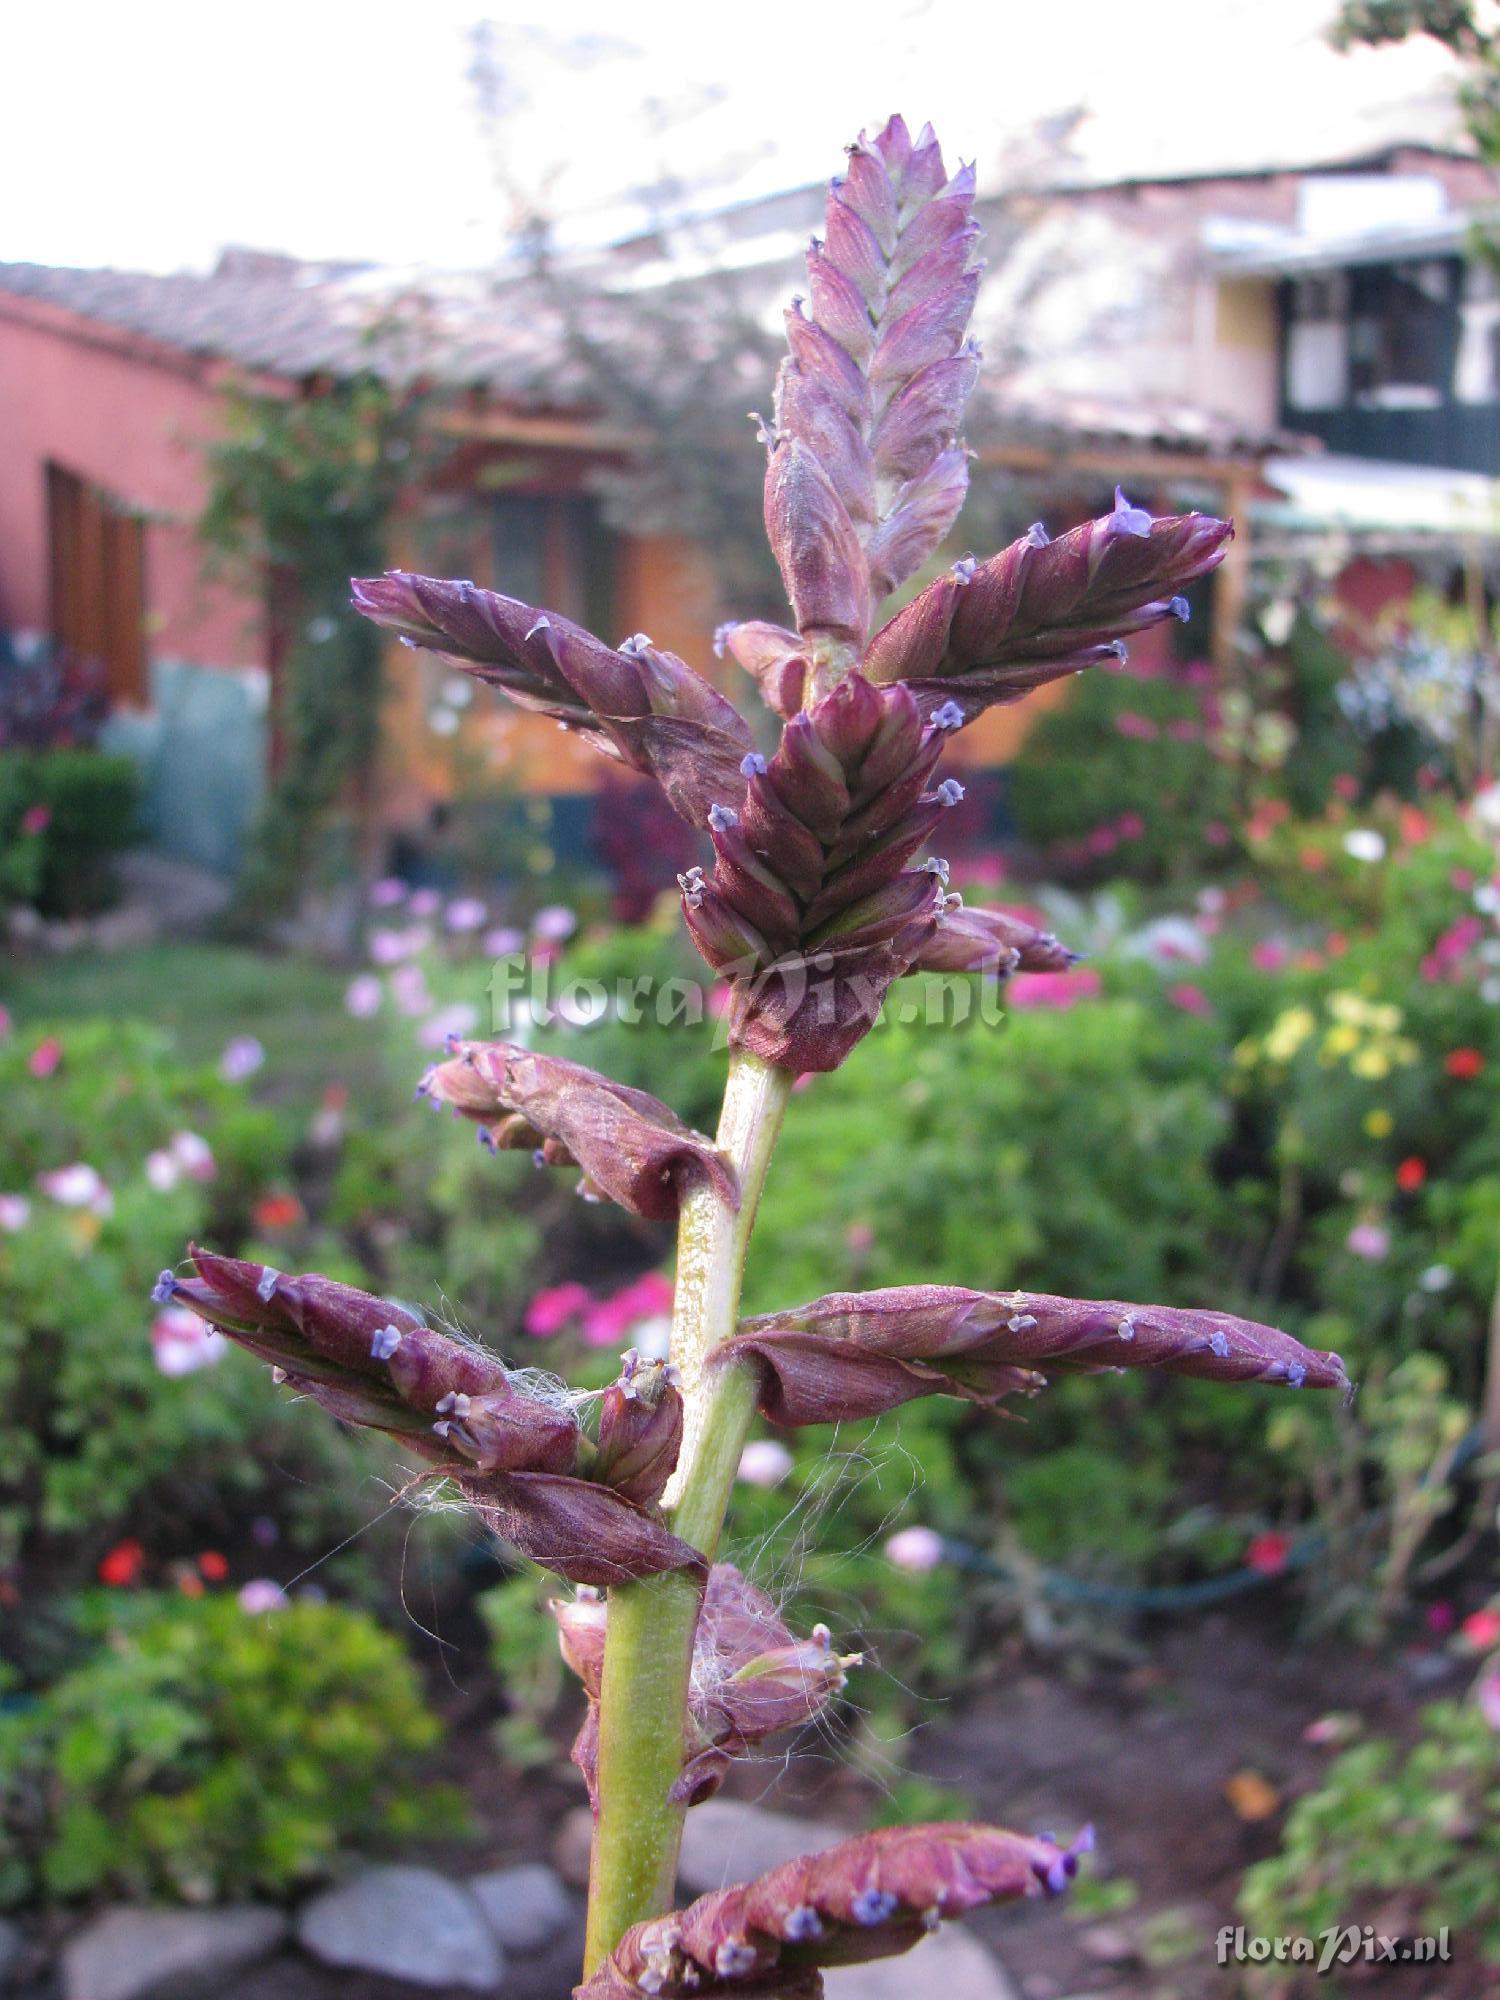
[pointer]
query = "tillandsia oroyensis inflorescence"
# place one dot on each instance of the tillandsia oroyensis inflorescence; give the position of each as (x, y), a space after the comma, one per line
(820, 891)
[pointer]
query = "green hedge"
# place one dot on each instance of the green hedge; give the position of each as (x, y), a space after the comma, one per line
(65, 817)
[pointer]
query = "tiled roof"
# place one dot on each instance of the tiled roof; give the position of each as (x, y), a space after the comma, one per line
(510, 338)
(292, 319)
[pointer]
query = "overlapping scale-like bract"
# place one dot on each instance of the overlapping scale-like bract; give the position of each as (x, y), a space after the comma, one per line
(514, 1454)
(871, 1897)
(859, 1354)
(867, 469)
(632, 1148)
(990, 632)
(812, 909)
(635, 702)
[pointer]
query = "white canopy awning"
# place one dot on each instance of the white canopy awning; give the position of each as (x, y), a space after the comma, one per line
(1365, 496)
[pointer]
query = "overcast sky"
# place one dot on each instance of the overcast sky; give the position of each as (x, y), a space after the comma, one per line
(147, 133)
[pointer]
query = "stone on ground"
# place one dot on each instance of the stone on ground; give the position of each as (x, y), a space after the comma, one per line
(404, 1923)
(526, 1906)
(724, 1842)
(130, 1954)
(949, 1965)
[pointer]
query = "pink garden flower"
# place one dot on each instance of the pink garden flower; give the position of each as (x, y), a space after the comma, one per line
(979, 871)
(193, 1155)
(36, 819)
(643, 1301)
(1191, 999)
(1138, 728)
(1270, 955)
(46, 1057)
(1487, 1694)
(1368, 1240)
(182, 1344)
(459, 1019)
(162, 1171)
(425, 903)
(465, 913)
(916, 1550)
(388, 893)
(262, 1595)
(409, 990)
(77, 1186)
(554, 923)
(764, 1463)
(388, 947)
(15, 1212)
(556, 1307)
(243, 1056)
(363, 996)
(504, 941)
(1054, 989)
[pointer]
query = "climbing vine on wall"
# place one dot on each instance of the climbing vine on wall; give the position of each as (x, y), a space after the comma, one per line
(301, 489)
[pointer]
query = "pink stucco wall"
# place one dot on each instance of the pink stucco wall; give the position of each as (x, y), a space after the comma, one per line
(126, 418)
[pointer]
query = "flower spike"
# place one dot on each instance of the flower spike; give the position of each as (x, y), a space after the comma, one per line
(859, 1354)
(1041, 609)
(631, 1147)
(872, 1897)
(513, 1454)
(634, 702)
(867, 470)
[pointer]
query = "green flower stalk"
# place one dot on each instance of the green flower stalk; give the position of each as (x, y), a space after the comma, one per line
(818, 889)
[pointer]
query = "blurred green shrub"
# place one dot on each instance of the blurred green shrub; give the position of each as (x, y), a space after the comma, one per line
(1415, 1831)
(1122, 779)
(65, 817)
(204, 1752)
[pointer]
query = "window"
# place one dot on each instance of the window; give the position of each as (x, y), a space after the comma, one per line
(554, 549)
(1400, 337)
(98, 584)
(1477, 375)
(1317, 345)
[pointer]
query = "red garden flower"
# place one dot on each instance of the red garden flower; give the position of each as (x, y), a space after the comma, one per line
(212, 1565)
(1481, 1629)
(1464, 1063)
(278, 1211)
(123, 1565)
(1268, 1554)
(1411, 1174)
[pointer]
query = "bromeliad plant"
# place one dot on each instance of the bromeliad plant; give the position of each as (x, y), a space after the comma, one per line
(816, 900)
